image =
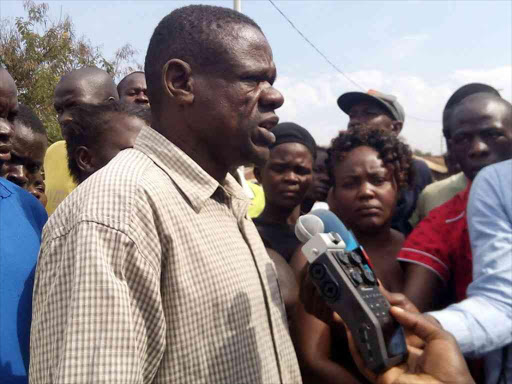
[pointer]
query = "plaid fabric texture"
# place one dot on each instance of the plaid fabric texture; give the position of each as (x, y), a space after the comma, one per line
(151, 272)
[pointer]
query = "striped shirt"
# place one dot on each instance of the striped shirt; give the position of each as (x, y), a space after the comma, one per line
(151, 272)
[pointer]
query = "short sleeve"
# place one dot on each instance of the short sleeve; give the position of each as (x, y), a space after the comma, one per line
(428, 245)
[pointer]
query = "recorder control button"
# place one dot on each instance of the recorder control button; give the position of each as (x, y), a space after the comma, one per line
(368, 274)
(355, 258)
(356, 277)
(342, 257)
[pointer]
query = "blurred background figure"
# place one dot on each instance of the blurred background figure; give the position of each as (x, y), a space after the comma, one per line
(88, 85)
(286, 178)
(95, 134)
(37, 188)
(29, 144)
(316, 198)
(133, 89)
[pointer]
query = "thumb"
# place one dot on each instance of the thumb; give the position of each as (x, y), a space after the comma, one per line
(417, 324)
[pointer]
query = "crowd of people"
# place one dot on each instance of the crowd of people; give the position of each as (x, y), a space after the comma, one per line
(138, 249)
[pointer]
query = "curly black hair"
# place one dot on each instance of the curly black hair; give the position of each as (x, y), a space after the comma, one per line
(390, 148)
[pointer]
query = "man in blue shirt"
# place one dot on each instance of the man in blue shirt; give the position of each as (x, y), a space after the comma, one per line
(482, 324)
(21, 221)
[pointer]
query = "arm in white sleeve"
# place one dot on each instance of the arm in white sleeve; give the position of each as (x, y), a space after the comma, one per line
(483, 322)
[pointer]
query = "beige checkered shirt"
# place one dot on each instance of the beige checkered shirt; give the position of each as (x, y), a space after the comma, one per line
(151, 272)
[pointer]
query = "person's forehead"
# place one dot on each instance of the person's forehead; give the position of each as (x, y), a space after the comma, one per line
(289, 150)
(247, 47)
(360, 159)
(137, 80)
(81, 90)
(68, 90)
(479, 115)
(25, 137)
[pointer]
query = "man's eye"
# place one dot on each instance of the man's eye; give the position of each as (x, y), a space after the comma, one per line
(303, 171)
(348, 184)
(278, 168)
(460, 139)
(33, 168)
(492, 134)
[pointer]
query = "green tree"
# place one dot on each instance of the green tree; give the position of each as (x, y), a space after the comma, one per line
(38, 51)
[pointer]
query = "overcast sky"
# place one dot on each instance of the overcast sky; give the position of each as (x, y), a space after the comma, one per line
(420, 51)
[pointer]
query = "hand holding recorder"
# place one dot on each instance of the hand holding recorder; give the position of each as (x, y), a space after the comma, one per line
(377, 341)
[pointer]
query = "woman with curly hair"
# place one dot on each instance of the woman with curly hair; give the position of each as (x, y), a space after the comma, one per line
(369, 167)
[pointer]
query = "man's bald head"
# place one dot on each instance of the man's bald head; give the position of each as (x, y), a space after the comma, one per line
(7, 84)
(132, 89)
(88, 85)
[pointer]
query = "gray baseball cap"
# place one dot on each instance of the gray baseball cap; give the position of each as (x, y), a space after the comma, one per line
(388, 102)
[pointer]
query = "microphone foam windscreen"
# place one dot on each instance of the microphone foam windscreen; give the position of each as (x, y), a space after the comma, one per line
(308, 226)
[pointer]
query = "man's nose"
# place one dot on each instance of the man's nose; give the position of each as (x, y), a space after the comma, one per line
(64, 117)
(142, 98)
(291, 177)
(6, 131)
(16, 174)
(271, 98)
(479, 148)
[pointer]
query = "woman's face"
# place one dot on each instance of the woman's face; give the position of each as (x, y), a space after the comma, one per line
(365, 192)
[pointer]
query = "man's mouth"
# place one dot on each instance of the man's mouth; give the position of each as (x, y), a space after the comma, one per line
(269, 123)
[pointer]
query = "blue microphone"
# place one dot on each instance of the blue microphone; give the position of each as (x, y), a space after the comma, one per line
(333, 224)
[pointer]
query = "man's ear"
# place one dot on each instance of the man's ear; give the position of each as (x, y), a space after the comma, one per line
(177, 81)
(83, 158)
(397, 127)
(257, 173)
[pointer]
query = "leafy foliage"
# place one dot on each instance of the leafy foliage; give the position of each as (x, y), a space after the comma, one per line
(38, 51)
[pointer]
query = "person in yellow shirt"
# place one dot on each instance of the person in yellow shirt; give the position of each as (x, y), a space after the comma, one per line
(58, 182)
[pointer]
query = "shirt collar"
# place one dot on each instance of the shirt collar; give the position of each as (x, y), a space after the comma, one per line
(193, 181)
(4, 189)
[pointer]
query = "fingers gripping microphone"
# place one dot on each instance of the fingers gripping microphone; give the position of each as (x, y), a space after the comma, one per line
(342, 273)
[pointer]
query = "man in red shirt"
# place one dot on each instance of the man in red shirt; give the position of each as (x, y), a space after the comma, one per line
(437, 254)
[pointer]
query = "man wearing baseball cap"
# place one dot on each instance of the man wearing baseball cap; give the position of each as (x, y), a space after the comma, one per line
(377, 109)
